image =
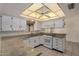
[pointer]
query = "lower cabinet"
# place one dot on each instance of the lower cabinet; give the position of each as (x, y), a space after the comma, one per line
(48, 40)
(59, 44)
(33, 41)
(42, 39)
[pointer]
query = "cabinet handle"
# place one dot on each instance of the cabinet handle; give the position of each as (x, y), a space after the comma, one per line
(34, 41)
(20, 26)
(11, 27)
(12, 18)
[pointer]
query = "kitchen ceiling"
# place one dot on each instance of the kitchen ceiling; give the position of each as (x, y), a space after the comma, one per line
(43, 11)
(15, 9)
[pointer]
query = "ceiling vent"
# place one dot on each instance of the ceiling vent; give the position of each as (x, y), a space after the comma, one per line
(71, 6)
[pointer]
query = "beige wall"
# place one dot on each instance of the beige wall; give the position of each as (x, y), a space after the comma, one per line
(72, 21)
(72, 25)
(0, 45)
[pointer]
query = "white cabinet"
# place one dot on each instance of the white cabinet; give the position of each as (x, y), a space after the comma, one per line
(16, 24)
(59, 44)
(0, 23)
(55, 43)
(22, 25)
(41, 39)
(59, 23)
(6, 23)
(19, 24)
(9, 23)
(33, 41)
(37, 26)
(48, 24)
(48, 41)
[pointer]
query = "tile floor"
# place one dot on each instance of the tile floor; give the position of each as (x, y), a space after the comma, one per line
(48, 52)
(15, 46)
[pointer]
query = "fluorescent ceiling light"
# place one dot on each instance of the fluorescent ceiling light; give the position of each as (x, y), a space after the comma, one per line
(35, 15)
(35, 6)
(50, 14)
(43, 17)
(42, 12)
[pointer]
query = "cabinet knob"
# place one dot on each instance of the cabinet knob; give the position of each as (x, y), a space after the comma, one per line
(11, 27)
(11, 17)
(34, 41)
(20, 26)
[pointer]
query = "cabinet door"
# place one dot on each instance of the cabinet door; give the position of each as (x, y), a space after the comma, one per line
(48, 24)
(41, 39)
(0, 23)
(59, 23)
(48, 42)
(61, 44)
(6, 23)
(37, 41)
(22, 25)
(32, 42)
(37, 26)
(16, 23)
(55, 43)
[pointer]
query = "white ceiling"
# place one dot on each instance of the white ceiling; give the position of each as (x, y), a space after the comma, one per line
(72, 12)
(13, 8)
(16, 8)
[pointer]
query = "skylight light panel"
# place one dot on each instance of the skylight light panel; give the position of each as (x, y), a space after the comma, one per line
(43, 11)
(51, 14)
(35, 14)
(43, 17)
(35, 6)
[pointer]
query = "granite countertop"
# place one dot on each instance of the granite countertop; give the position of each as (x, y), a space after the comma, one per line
(31, 34)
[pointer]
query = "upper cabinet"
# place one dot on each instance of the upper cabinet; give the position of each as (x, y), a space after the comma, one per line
(23, 25)
(19, 24)
(0, 24)
(9, 23)
(59, 23)
(15, 24)
(51, 24)
(6, 23)
(37, 26)
(48, 24)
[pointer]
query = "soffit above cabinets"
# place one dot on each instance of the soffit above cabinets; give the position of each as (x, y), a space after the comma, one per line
(43, 11)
